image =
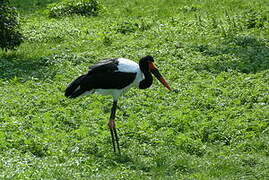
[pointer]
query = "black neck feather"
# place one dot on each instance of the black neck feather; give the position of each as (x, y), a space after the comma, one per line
(147, 82)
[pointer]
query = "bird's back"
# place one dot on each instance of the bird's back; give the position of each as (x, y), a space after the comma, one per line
(126, 65)
(106, 65)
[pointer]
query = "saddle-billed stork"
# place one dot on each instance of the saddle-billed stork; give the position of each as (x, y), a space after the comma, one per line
(113, 77)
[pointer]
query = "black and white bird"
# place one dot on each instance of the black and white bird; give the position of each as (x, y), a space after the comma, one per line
(113, 77)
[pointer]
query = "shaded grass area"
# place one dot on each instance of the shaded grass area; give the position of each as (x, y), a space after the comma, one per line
(33, 6)
(251, 55)
(215, 126)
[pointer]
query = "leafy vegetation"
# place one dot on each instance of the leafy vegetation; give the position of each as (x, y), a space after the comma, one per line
(9, 26)
(80, 7)
(214, 126)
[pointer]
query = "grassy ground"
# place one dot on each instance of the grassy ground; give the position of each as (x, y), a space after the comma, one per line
(215, 53)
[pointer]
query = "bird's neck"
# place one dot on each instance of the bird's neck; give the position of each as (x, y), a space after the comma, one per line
(147, 82)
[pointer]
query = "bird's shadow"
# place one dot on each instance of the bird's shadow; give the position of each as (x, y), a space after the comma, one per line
(15, 65)
(249, 55)
(29, 7)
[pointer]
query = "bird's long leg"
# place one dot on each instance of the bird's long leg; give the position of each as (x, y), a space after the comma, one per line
(113, 140)
(112, 127)
(117, 139)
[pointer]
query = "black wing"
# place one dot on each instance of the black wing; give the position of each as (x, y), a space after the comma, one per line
(106, 65)
(103, 75)
(107, 80)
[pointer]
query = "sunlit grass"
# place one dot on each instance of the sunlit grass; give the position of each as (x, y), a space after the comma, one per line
(215, 126)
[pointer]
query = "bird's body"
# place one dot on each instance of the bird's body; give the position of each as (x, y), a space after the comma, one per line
(113, 77)
(108, 77)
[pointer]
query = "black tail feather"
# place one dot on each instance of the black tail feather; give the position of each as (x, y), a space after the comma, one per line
(77, 93)
(73, 90)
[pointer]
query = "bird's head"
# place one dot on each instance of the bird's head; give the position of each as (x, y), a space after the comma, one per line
(147, 64)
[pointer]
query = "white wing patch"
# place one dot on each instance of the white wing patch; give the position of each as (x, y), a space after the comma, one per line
(126, 65)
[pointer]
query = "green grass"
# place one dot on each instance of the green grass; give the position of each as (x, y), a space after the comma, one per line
(216, 126)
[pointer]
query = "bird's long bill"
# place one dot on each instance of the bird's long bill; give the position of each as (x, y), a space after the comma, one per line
(158, 75)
